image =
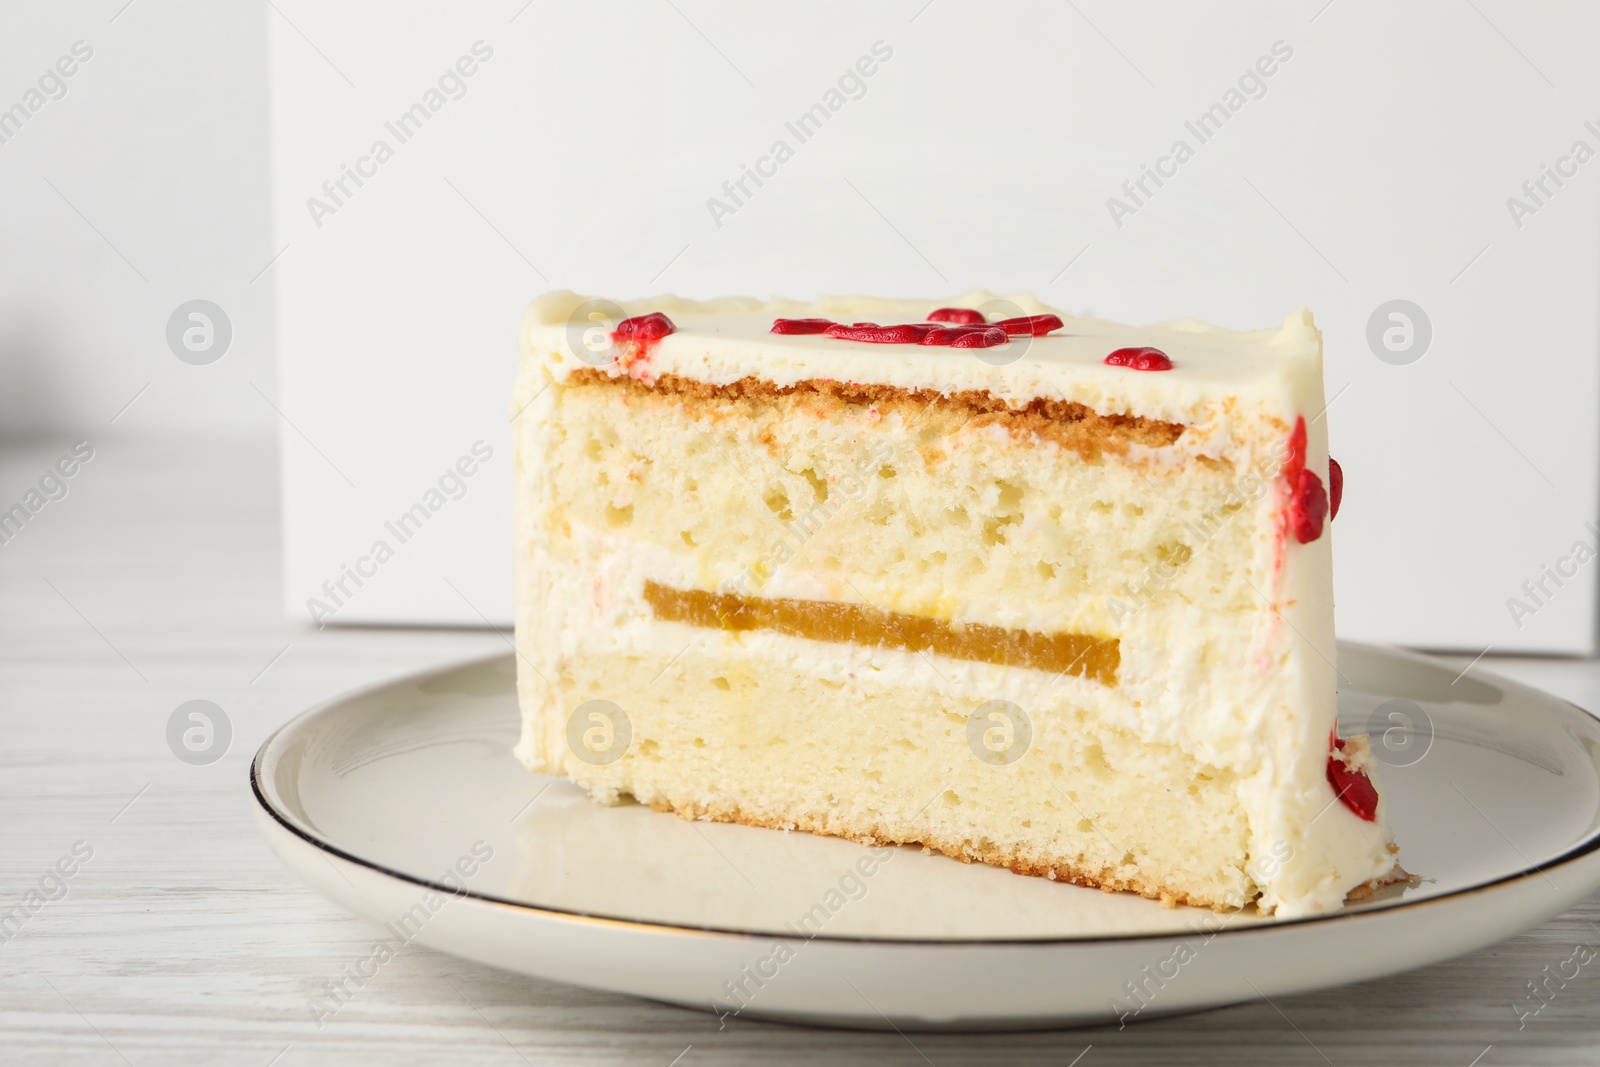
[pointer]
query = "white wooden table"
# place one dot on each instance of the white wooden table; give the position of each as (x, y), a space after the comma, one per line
(182, 940)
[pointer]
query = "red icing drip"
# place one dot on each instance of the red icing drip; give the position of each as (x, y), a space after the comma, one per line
(1335, 487)
(963, 316)
(651, 327)
(1037, 325)
(1352, 785)
(800, 325)
(907, 334)
(1140, 359)
(1307, 503)
(1294, 460)
(1309, 508)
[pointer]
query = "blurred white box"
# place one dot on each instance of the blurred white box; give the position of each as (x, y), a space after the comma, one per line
(1421, 176)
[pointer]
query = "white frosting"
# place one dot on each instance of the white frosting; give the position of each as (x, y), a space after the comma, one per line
(725, 340)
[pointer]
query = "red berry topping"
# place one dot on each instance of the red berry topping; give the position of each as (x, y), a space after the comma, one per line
(907, 334)
(1305, 501)
(1352, 785)
(1140, 359)
(651, 327)
(800, 325)
(1335, 487)
(956, 334)
(1037, 325)
(1309, 507)
(986, 338)
(964, 316)
(965, 336)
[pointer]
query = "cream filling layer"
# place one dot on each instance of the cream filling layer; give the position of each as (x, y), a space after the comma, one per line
(1168, 688)
(1308, 851)
(1080, 655)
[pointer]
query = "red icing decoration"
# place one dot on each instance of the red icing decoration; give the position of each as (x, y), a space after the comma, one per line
(1037, 325)
(651, 327)
(1140, 359)
(1352, 785)
(971, 336)
(963, 316)
(985, 338)
(1310, 507)
(1307, 505)
(1295, 460)
(907, 334)
(800, 325)
(1335, 487)
(958, 328)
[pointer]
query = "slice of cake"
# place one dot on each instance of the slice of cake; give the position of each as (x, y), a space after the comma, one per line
(1048, 593)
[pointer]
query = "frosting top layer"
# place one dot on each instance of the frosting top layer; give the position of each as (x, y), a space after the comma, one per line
(721, 341)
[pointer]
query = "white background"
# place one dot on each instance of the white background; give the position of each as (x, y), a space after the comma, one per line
(158, 155)
(1376, 167)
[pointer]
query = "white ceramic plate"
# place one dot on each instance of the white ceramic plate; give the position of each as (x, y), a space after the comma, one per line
(403, 804)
